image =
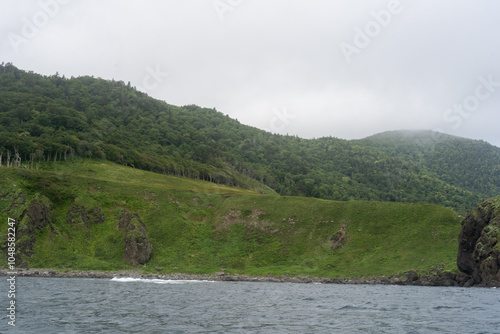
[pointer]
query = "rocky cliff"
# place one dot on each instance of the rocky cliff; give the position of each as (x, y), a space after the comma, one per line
(479, 245)
(34, 218)
(137, 245)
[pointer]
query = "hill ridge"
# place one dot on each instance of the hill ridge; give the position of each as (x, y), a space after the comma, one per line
(52, 118)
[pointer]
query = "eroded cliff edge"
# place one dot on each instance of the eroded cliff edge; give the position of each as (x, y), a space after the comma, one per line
(479, 246)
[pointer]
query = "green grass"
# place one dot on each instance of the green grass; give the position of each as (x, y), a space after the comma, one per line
(201, 227)
(383, 238)
(112, 172)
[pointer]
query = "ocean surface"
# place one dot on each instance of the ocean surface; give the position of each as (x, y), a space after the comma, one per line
(71, 305)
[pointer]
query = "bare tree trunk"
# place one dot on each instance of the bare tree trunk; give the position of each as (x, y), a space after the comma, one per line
(17, 157)
(8, 158)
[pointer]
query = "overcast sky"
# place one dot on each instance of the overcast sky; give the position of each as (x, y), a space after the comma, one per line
(312, 68)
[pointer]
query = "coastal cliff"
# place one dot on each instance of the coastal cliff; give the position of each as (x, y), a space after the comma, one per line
(479, 247)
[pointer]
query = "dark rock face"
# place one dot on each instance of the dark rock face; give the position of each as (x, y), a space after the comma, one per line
(412, 276)
(39, 212)
(34, 218)
(479, 245)
(445, 278)
(137, 246)
(79, 214)
(340, 239)
(18, 199)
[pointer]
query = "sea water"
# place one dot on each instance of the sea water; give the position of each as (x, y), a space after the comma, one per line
(129, 305)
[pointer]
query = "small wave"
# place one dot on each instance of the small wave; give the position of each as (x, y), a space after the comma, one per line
(443, 307)
(351, 308)
(155, 280)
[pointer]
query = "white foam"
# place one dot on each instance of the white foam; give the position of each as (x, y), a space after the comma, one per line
(156, 280)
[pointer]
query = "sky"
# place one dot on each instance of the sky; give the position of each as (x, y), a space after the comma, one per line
(312, 68)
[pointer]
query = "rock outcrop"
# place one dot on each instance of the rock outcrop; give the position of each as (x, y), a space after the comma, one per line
(137, 246)
(17, 196)
(340, 239)
(79, 214)
(34, 218)
(479, 245)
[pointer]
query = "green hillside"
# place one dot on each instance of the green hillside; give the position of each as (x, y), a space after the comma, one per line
(71, 215)
(52, 118)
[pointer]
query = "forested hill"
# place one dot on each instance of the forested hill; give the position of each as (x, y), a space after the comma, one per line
(54, 118)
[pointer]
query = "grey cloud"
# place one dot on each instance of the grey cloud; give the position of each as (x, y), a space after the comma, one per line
(262, 56)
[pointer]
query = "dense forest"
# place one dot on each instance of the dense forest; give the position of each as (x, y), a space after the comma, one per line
(53, 118)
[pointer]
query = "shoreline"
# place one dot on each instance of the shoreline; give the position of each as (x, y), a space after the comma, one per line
(410, 278)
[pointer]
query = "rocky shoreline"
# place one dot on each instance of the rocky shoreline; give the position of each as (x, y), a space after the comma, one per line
(410, 278)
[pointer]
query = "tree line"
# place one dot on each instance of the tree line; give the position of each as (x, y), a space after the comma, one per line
(53, 118)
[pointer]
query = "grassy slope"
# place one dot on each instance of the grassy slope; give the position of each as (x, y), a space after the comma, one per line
(200, 227)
